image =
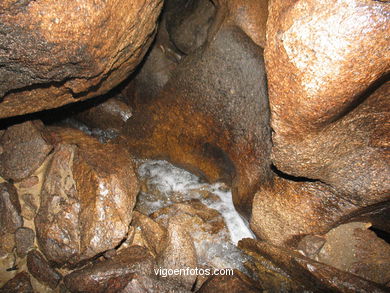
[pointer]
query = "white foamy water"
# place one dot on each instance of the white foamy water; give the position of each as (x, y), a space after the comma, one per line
(179, 185)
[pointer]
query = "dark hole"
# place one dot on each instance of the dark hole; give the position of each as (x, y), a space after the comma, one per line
(381, 234)
(290, 177)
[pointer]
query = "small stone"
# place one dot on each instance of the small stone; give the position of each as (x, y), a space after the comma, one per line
(310, 245)
(25, 148)
(24, 239)
(18, 284)
(109, 115)
(10, 209)
(41, 270)
(29, 206)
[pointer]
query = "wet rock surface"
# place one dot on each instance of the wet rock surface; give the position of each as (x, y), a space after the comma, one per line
(51, 56)
(111, 114)
(229, 132)
(19, 284)
(87, 198)
(25, 147)
(330, 140)
(41, 270)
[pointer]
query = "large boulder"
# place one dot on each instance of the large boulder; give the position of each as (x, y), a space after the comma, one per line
(86, 200)
(52, 55)
(329, 100)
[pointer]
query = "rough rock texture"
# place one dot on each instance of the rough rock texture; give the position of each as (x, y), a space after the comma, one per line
(318, 52)
(311, 245)
(108, 115)
(114, 272)
(330, 125)
(24, 240)
(353, 248)
(179, 252)
(205, 226)
(237, 283)
(249, 15)
(18, 284)
(285, 211)
(296, 273)
(187, 23)
(153, 233)
(41, 270)
(55, 54)
(212, 116)
(10, 218)
(330, 112)
(87, 198)
(25, 147)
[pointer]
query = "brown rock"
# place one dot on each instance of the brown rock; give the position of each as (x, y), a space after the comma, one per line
(315, 51)
(179, 253)
(29, 205)
(7, 244)
(311, 245)
(19, 284)
(206, 227)
(343, 156)
(41, 270)
(25, 147)
(308, 274)
(87, 198)
(343, 143)
(111, 273)
(285, 211)
(322, 48)
(30, 188)
(24, 239)
(353, 248)
(153, 233)
(212, 116)
(188, 22)
(10, 218)
(108, 115)
(249, 15)
(53, 57)
(236, 283)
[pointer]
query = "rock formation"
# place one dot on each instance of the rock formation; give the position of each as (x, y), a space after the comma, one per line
(53, 55)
